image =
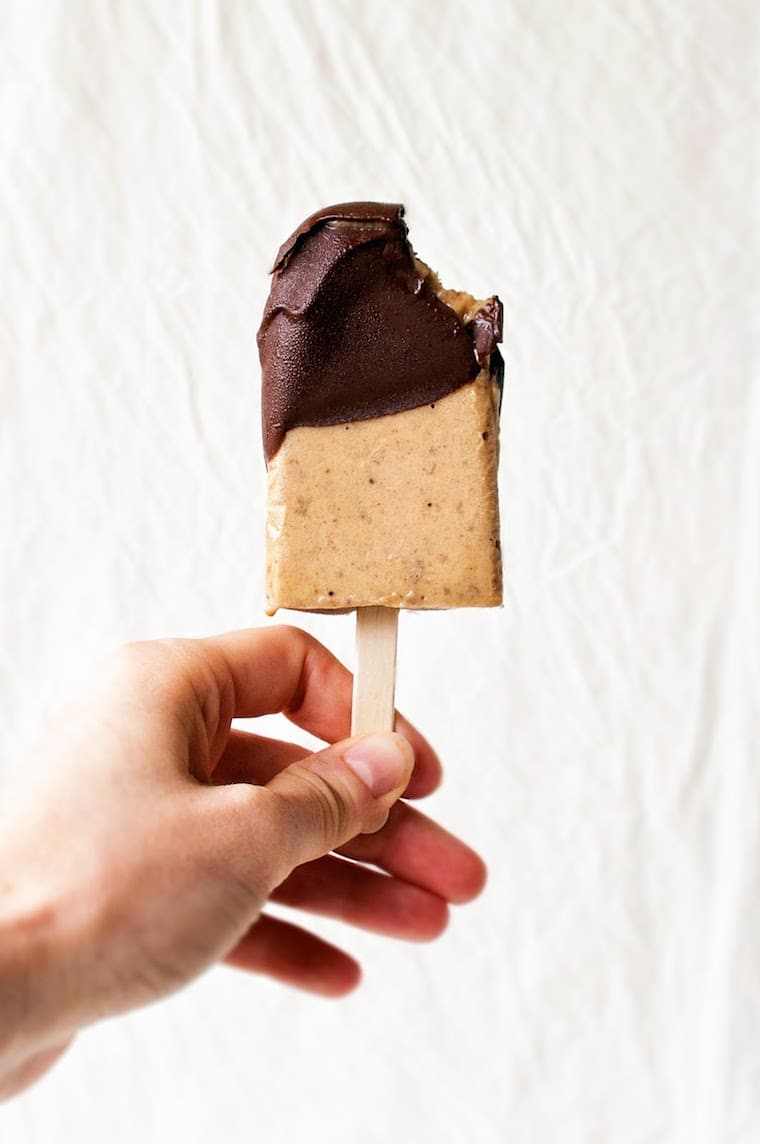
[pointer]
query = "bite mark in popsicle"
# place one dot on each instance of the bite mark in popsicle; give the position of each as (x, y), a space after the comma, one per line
(380, 407)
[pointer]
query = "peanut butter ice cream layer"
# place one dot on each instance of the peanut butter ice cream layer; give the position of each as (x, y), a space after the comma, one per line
(398, 510)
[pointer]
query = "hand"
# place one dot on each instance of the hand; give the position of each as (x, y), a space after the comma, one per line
(149, 833)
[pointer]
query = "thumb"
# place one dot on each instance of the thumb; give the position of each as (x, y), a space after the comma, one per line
(347, 789)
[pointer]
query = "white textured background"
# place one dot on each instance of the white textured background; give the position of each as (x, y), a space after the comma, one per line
(596, 164)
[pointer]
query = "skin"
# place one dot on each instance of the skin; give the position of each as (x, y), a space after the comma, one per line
(148, 834)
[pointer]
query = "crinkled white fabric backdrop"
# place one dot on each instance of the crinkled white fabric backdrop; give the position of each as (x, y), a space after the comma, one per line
(595, 163)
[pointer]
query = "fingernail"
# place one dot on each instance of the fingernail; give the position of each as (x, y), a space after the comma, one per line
(381, 762)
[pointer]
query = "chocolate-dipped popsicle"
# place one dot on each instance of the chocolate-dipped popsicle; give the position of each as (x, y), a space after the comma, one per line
(380, 404)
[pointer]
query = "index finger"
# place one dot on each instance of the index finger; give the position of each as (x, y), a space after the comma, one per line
(284, 669)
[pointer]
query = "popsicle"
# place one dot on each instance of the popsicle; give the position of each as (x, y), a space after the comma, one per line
(380, 410)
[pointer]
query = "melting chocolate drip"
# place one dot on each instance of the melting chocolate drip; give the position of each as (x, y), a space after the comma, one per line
(353, 330)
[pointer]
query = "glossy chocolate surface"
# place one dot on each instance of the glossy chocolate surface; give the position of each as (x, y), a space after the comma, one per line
(352, 328)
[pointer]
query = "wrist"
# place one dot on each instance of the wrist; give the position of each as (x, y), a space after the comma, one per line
(33, 1012)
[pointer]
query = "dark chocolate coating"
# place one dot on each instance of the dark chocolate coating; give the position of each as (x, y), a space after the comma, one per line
(352, 330)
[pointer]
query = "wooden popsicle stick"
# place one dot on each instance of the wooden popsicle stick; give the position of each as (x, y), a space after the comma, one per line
(372, 707)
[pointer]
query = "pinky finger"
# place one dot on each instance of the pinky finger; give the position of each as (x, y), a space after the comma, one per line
(295, 957)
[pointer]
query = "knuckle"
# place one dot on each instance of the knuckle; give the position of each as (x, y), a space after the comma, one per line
(130, 655)
(249, 800)
(329, 804)
(254, 854)
(140, 656)
(167, 667)
(289, 635)
(288, 631)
